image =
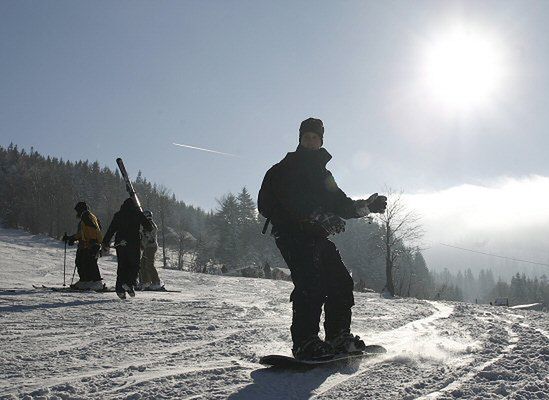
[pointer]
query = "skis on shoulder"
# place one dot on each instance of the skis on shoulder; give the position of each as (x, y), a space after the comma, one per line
(128, 182)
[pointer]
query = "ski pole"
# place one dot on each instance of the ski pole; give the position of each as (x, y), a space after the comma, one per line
(65, 260)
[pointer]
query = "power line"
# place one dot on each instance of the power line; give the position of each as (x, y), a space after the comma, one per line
(494, 255)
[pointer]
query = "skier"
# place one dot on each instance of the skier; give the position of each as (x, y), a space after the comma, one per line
(125, 224)
(89, 237)
(148, 275)
(301, 199)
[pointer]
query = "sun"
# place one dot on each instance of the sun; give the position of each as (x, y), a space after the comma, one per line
(463, 68)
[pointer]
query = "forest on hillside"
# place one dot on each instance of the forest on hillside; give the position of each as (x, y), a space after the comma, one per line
(38, 194)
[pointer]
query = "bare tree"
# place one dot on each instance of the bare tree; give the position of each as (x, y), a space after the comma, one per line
(400, 228)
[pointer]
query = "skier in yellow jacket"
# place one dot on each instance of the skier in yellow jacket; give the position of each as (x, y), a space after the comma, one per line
(89, 239)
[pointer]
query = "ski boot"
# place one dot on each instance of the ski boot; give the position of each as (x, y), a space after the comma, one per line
(121, 295)
(96, 285)
(129, 289)
(80, 285)
(346, 342)
(313, 349)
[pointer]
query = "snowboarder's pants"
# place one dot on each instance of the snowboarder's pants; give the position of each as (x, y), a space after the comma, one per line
(320, 278)
(86, 265)
(128, 265)
(147, 271)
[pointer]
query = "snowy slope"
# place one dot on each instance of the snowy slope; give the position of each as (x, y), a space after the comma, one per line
(205, 342)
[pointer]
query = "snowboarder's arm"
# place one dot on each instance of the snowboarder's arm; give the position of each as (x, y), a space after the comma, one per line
(339, 203)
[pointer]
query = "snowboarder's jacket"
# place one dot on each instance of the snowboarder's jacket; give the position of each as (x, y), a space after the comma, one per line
(89, 231)
(298, 186)
(126, 224)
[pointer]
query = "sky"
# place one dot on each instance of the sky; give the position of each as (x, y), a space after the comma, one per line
(442, 100)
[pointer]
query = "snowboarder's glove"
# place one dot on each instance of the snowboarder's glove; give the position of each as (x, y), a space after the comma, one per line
(122, 243)
(329, 222)
(377, 203)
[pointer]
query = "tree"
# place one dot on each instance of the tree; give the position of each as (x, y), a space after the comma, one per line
(227, 226)
(400, 227)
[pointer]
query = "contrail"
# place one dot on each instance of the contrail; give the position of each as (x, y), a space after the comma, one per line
(199, 148)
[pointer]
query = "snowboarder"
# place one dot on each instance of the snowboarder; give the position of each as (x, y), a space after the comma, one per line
(301, 199)
(126, 224)
(89, 238)
(148, 275)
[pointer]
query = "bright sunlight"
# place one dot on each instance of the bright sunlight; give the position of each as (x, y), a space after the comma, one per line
(463, 68)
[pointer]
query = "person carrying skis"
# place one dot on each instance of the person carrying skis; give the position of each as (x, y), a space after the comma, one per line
(89, 237)
(148, 275)
(301, 199)
(125, 225)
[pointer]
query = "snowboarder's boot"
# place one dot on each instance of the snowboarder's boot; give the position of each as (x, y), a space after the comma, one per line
(346, 342)
(313, 349)
(129, 289)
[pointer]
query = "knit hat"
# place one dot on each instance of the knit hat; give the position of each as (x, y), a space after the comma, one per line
(312, 125)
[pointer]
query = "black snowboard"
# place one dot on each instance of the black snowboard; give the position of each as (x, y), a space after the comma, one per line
(280, 361)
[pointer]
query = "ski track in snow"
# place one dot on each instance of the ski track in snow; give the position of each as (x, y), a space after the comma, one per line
(205, 342)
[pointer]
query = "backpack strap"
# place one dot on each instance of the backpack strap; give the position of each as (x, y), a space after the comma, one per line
(265, 226)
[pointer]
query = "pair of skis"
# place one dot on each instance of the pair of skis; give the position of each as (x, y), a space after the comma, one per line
(68, 289)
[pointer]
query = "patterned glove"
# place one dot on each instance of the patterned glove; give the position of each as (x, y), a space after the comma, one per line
(329, 222)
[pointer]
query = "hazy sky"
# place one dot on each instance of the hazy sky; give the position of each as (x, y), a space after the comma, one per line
(431, 97)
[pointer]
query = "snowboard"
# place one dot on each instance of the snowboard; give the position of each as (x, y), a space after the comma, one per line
(280, 361)
(68, 289)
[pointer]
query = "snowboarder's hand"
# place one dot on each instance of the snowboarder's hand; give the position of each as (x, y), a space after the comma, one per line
(329, 222)
(70, 240)
(377, 204)
(334, 225)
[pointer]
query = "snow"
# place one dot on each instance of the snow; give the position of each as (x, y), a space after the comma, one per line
(205, 342)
